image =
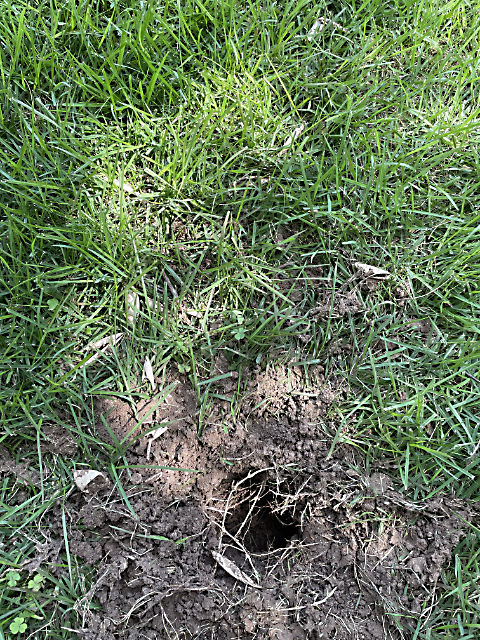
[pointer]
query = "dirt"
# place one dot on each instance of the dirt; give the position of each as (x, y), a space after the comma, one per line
(57, 439)
(20, 470)
(252, 525)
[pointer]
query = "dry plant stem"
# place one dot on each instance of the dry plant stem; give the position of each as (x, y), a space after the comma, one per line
(227, 507)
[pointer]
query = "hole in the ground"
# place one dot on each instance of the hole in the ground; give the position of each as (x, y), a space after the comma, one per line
(255, 520)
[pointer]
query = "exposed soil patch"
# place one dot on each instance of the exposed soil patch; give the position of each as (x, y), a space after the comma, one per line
(264, 533)
(20, 470)
(58, 440)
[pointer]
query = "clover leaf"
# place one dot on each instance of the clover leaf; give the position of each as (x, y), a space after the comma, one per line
(12, 578)
(18, 625)
(52, 304)
(36, 583)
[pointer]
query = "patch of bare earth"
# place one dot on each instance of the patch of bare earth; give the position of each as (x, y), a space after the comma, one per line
(255, 529)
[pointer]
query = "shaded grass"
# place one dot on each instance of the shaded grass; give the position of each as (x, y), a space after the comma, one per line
(150, 148)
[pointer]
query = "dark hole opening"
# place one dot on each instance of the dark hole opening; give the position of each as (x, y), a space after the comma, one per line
(266, 529)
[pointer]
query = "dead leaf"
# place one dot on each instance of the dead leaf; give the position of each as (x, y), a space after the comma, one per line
(104, 345)
(88, 479)
(148, 373)
(320, 24)
(106, 341)
(317, 27)
(232, 569)
(126, 186)
(291, 138)
(369, 271)
(153, 435)
(133, 307)
(195, 314)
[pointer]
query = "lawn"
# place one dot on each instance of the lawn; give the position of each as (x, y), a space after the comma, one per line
(208, 177)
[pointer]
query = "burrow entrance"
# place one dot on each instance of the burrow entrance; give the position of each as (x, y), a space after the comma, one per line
(258, 517)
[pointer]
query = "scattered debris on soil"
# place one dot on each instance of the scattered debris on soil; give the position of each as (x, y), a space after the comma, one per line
(58, 440)
(255, 529)
(20, 470)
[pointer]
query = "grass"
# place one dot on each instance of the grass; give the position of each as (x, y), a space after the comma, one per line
(230, 161)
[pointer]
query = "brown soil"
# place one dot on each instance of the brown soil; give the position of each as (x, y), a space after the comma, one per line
(258, 529)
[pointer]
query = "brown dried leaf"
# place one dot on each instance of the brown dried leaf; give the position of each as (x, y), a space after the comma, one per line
(369, 271)
(148, 373)
(104, 345)
(133, 307)
(126, 186)
(85, 477)
(106, 341)
(291, 138)
(319, 26)
(232, 569)
(153, 435)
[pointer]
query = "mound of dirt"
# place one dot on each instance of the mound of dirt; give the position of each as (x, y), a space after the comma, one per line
(255, 529)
